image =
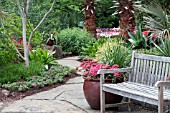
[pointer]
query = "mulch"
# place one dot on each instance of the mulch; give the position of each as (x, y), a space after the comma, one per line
(16, 95)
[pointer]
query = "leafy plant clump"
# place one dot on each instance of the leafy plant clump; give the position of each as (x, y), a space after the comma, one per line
(113, 52)
(164, 48)
(72, 40)
(43, 56)
(16, 72)
(91, 48)
(54, 75)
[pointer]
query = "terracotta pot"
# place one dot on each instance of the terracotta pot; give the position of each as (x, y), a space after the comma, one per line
(50, 42)
(92, 94)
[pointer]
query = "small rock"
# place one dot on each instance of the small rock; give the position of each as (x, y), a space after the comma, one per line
(5, 92)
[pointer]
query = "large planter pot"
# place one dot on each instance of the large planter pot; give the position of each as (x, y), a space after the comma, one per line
(92, 94)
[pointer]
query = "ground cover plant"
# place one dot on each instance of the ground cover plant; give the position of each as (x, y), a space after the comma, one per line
(17, 72)
(37, 79)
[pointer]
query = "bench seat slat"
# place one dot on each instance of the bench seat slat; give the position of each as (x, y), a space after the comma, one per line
(149, 88)
(137, 89)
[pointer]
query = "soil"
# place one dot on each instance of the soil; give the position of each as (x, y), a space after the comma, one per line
(16, 95)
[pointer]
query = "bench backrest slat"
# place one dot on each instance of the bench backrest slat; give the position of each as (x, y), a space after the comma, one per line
(148, 69)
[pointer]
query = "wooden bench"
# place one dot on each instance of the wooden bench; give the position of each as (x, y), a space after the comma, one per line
(146, 81)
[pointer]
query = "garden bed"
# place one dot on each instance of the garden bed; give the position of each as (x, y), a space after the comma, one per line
(16, 95)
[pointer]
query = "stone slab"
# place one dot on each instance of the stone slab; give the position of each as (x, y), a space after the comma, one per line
(1, 105)
(45, 95)
(75, 80)
(55, 92)
(72, 94)
(42, 106)
(82, 103)
(70, 63)
(71, 58)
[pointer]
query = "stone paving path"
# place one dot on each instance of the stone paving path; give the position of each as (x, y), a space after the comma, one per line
(68, 98)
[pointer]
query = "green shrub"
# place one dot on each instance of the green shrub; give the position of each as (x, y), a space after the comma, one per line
(8, 53)
(16, 72)
(91, 48)
(13, 25)
(72, 40)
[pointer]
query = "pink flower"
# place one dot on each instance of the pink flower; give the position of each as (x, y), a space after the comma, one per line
(93, 71)
(91, 67)
(105, 67)
(34, 85)
(117, 74)
(134, 31)
(145, 33)
(115, 66)
(77, 67)
(82, 63)
(168, 77)
(86, 73)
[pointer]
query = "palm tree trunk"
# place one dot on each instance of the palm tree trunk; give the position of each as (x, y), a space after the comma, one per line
(90, 20)
(127, 19)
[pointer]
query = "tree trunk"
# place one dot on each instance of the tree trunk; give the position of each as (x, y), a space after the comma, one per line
(127, 20)
(26, 50)
(90, 20)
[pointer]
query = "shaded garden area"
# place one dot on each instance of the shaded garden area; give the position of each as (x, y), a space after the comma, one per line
(36, 33)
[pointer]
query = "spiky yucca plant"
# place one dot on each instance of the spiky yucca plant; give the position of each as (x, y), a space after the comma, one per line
(159, 21)
(127, 19)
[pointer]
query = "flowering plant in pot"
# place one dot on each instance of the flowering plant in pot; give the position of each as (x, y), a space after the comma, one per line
(51, 39)
(90, 68)
(111, 55)
(91, 85)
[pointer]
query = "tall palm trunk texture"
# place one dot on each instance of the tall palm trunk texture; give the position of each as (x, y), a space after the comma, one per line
(127, 19)
(90, 20)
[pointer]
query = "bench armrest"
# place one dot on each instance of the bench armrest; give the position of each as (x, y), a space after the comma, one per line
(162, 83)
(107, 71)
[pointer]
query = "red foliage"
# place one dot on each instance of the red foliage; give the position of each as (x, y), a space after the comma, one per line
(19, 44)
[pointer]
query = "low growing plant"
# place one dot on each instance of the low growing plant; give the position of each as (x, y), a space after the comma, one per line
(43, 56)
(16, 72)
(54, 75)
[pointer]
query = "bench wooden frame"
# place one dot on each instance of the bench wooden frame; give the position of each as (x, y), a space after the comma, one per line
(146, 81)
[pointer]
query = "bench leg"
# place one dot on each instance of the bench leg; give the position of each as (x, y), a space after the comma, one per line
(160, 100)
(160, 108)
(102, 102)
(130, 104)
